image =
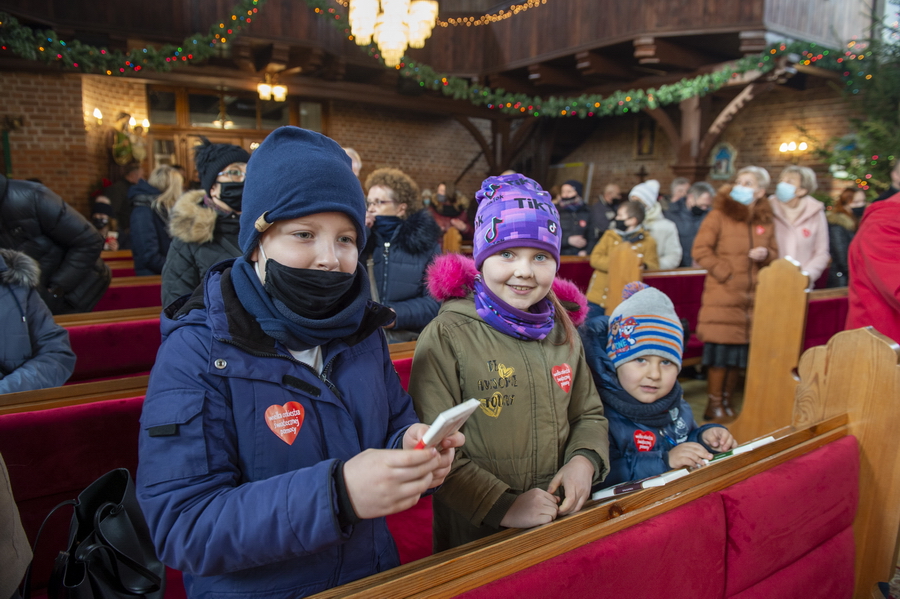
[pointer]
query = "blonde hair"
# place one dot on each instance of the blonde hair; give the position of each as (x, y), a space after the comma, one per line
(169, 181)
(759, 173)
(806, 174)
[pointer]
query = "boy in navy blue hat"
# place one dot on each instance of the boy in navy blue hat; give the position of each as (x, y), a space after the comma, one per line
(275, 433)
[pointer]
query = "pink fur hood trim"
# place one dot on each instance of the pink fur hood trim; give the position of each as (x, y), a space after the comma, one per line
(452, 276)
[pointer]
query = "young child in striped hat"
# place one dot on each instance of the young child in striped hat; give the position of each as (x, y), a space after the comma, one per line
(635, 357)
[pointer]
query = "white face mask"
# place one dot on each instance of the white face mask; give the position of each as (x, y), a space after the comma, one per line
(785, 191)
(261, 270)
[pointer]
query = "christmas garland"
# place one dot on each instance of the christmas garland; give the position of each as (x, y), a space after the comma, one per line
(46, 46)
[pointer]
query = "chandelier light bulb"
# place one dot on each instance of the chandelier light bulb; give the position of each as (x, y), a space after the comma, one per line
(802, 147)
(264, 90)
(792, 146)
(279, 93)
(145, 123)
(98, 115)
(783, 147)
(398, 25)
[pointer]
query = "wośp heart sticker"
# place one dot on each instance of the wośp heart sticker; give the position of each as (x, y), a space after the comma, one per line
(285, 421)
(562, 374)
(644, 440)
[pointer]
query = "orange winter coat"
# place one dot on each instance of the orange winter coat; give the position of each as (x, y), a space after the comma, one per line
(721, 247)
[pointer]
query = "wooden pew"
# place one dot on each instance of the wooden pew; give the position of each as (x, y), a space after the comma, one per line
(848, 388)
(107, 316)
(114, 256)
(72, 395)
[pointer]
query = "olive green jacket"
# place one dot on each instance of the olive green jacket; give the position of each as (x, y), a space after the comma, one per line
(539, 409)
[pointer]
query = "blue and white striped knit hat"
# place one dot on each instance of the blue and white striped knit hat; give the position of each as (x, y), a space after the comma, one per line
(644, 324)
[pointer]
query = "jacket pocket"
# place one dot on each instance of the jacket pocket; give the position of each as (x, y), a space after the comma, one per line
(173, 444)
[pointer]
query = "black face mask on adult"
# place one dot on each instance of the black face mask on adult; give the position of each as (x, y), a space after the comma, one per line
(310, 293)
(858, 211)
(232, 194)
(697, 211)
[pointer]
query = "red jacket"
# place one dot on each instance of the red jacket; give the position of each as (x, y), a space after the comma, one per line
(874, 291)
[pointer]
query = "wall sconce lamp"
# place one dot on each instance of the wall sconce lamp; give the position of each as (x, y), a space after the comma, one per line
(99, 116)
(793, 148)
(271, 90)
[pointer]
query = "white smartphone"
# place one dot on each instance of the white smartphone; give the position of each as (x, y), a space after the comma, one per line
(447, 423)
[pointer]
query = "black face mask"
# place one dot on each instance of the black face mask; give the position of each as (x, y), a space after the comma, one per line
(697, 211)
(99, 223)
(231, 194)
(620, 225)
(310, 293)
(858, 211)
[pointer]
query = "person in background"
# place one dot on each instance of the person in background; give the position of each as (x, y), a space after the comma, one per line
(118, 195)
(15, 550)
(67, 246)
(874, 290)
(205, 223)
(152, 201)
(842, 224)
(404, 240)
(664, 231)
(185, 185)
(635, 356)
(102, 218)
(688, 213)
(275, 435)
(355, 160)
(894, 188)
(800, 224)
(628, 229)
(35, 353)
(603, 212)
(574, 220)
(734, 242)
(506, 335)
(677, 191)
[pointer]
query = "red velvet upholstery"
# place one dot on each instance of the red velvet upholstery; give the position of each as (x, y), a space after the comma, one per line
(824, 318)
(411, 530)
(403, 368)
(137, 296)
(119, 271)
(677, 554)
(814, 497)
(826, 572)
(114, 349)
(578, 272)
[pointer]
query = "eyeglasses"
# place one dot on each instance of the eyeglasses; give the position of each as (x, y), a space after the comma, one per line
(378, 203)
(233, 174)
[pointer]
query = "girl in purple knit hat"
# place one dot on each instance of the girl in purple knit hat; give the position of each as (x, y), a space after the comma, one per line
(505, 334)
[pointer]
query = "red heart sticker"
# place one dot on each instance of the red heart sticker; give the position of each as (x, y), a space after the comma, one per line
(806, 232)
(582, 223)
(760, 229)
(645, 440)
(562, 374)
(285, 421)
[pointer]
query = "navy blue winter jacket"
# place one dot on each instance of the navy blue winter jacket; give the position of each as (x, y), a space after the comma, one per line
(636, 451)
(400, 264)
(150, 238)
(242, 512)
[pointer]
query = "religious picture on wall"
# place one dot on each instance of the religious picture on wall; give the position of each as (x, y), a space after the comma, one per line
(645, 138)
(721, 159)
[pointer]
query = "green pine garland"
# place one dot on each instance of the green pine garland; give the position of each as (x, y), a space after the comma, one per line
(46, 46)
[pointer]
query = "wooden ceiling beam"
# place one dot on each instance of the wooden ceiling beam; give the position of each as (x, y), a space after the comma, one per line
(510, 84)
(541, 74)
(590, 63)
(752, 42)
(657, 51)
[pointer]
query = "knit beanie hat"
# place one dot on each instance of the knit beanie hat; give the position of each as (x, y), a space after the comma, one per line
(513, 211)
(577, 186)
(644, 324)
(295, 172)
(211, 158)
(648, 192)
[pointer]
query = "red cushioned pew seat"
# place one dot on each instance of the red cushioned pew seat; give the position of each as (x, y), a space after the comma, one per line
(136, 296)
(126, 348)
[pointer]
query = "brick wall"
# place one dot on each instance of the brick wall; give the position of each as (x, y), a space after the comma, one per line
(51, 143)
(428, 148)
(756, 132)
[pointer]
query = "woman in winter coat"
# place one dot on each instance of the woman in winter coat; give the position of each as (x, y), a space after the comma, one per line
(205, 223)
(842, 223)
(404, 241)
(67, 246)
(734, 242)
(151, 202)
(35, 353)
(664, 231)
(800, 224)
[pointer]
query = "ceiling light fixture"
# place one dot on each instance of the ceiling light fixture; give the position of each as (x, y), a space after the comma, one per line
(392, 25)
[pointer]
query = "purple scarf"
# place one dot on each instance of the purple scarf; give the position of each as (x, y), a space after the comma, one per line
(532, 326)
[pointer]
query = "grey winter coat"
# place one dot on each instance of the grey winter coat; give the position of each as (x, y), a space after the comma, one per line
(35, 353)
(201, 237)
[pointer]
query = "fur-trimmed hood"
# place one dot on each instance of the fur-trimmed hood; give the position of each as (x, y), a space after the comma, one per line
(840, 219)
(760, 213)
(452, 276)
(18, 269)
(191, 220)
(418, 233)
